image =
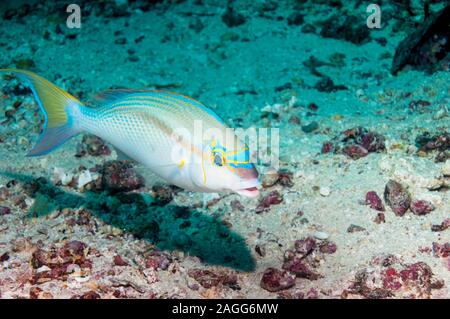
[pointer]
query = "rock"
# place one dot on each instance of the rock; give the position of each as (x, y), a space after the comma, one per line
(326, 84)
(321, 235)
(119, 176)
(421, 207)
(275, 280)
(380, 218)
(327, 147)
(285, 178)
(311, 127)
(162, 194)
(4, 210)
(92, 145)
(355, 228)
(426, 47)
(60, 176)
(232, 18)
(374, 201)
(85, 178)
(207, 278)
(346, 27)
(397, 197)
(328, 248)
(441, 250)
(305, 246)
(118, 261)
(441, 227)
(90, 295)
(325, 191)
(273, 198)
(270, 178)
(300, 268)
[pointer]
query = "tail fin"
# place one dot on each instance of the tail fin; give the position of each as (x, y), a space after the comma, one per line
(56, 104)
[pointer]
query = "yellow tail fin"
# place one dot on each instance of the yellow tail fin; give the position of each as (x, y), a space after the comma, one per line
(56, 104)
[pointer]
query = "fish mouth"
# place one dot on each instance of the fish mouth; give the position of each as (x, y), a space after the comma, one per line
(248, 192)
(248, 188)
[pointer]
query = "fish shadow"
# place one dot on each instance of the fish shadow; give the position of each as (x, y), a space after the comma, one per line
(168, 227)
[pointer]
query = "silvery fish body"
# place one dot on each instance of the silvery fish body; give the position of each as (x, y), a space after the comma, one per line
(176, 137)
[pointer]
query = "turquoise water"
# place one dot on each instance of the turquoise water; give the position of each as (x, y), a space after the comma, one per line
(350, 100)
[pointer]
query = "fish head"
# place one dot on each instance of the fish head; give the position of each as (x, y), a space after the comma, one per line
(228, 169)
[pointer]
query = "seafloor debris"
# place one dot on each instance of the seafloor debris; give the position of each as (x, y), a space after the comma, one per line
(275, 280)
(346, 27)
(397, 197)
(356, 143)
(282, 177)
(232, 18)
(273, 198)
(208, 278)
(428, 47)
(421, 207)
(92, 145)
(374, 201)
(119, 176)
(388, 277)
(441, 250)
(442, 226)
(300, 262)
(439, 142)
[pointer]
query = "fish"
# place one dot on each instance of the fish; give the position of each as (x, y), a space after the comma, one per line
(176, 137)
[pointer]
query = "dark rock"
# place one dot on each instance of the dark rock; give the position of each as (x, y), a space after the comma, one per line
(118, 261)
(421, 207)
(441, 250)
(311, 127)
(260, 250)
(346, 27)
(380, 218)
(374, 201)
(427, 142)
(162, 194)
(326, 84)
(300, 268)
(5, 210)
(397, 197)
(92, 145)
(295, 19)
(305, 246)
(355, 228)
(232, 18)
(273, 198)
(443, 226)
(207, 278)
(90, 295)
(328, 247)
(119, 176)
(327, 147)
(285, 178)
(275, 280)
(355, 151)
(4, 257)
(428, 47)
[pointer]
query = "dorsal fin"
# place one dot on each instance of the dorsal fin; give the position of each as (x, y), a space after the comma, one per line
(116, 94)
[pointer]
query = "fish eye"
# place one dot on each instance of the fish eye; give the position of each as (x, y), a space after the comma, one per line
(218, 159)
